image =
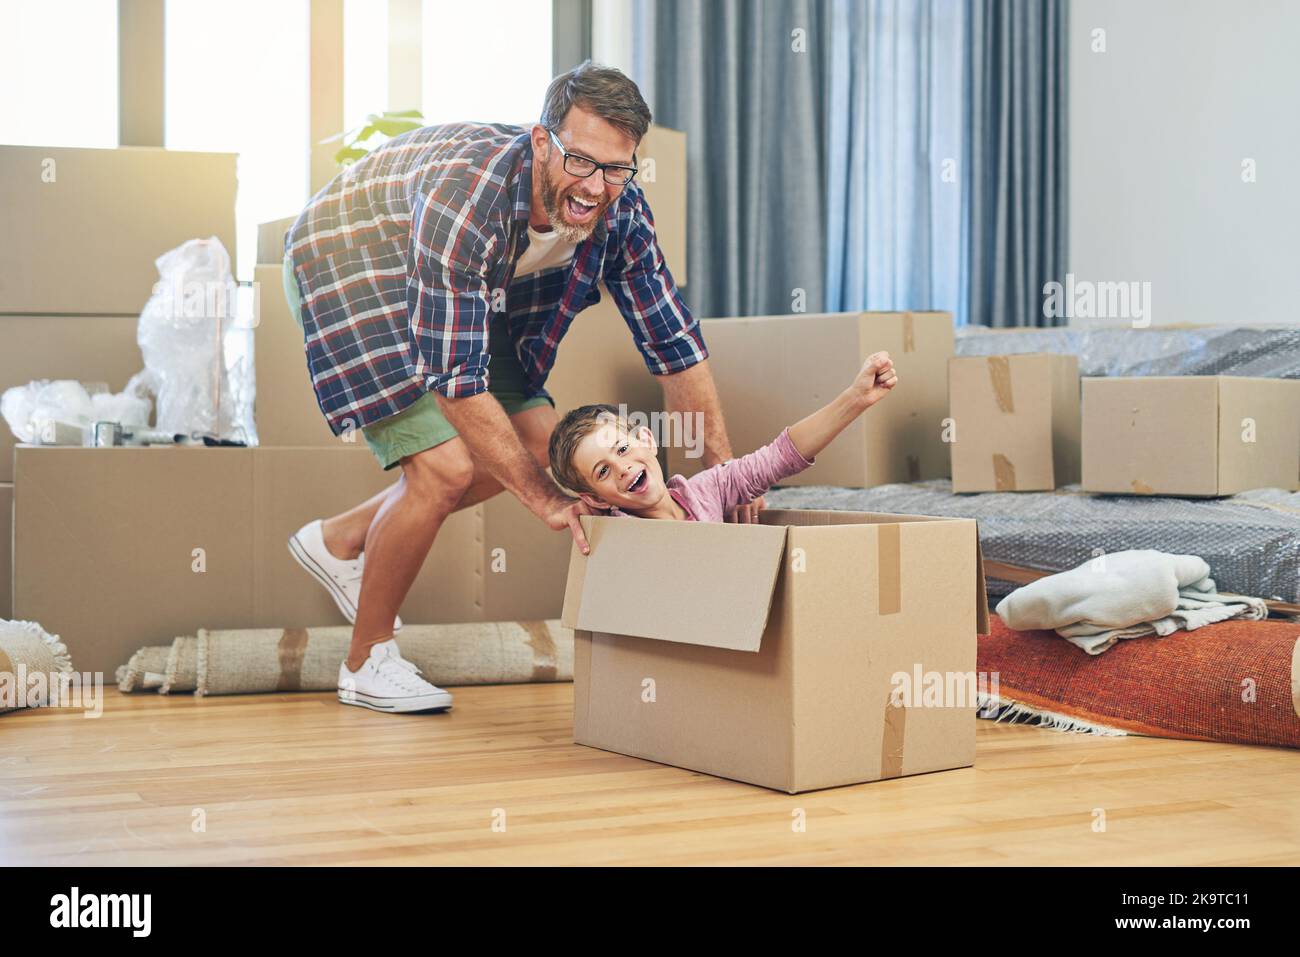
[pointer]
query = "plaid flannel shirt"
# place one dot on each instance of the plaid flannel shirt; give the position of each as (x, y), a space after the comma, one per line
(405, 257)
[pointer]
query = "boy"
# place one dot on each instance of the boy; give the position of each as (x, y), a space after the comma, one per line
(615, 470)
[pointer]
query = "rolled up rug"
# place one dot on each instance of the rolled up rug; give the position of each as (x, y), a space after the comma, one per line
(250, 661)
(182, 673)
(34, 666)
(146, 670)
(307, 659)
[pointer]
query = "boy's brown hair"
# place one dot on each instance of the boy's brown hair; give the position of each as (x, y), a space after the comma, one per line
(573, 428)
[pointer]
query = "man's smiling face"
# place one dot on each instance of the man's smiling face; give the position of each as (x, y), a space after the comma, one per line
(572, 205)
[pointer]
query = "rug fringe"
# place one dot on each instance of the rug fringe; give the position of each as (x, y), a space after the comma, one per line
(201, 662)
(173, 667)
(58, 651)
(995, 708)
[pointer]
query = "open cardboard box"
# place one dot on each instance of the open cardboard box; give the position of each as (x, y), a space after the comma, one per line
(771, 653)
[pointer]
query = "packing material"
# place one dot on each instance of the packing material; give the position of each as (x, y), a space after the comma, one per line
(87, 348)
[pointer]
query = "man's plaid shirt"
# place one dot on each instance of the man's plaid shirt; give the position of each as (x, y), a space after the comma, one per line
(406, 256)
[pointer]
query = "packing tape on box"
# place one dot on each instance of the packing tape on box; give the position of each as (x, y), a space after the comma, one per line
(1004, 473)
(909, 333)
(1000, 377)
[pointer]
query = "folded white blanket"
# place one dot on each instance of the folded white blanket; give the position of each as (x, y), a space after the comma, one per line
(1125, 595)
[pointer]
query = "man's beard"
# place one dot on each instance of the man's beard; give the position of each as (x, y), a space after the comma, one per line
(551, 204)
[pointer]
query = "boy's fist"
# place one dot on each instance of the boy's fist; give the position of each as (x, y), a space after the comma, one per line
(876, 378)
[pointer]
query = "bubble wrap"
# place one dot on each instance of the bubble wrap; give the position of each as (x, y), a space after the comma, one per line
(1251, 540)
(1273, 352)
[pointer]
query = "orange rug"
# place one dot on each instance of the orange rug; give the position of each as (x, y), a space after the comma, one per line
(1235, 681)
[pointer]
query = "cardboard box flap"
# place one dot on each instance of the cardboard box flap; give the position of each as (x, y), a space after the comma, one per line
(697, 583)
(981, 588)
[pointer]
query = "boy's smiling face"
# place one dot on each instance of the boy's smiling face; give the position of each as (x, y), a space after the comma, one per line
(620, 467)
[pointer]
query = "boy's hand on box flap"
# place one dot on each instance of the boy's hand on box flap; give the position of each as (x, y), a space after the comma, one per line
(875, 379)
(747, 514)
(566, 516)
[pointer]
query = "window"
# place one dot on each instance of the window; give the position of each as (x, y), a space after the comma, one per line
(488, 60)
(58, 73)
(237, 82)
(365, 60)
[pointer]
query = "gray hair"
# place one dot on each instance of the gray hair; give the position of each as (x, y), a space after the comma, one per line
(603, 90)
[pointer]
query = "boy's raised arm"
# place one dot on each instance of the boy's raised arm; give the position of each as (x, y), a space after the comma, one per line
(873, 382)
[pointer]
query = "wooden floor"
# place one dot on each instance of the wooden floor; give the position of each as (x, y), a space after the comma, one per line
(299, 779)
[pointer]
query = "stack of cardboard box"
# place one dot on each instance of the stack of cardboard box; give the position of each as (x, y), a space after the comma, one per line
(126, 547)
(81, 231)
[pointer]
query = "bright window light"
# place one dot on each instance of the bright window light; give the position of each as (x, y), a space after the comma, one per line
(486, 61)
(365, 60)
(58, 73)
(237, 82)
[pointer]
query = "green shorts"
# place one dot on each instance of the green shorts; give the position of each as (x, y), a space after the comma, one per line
(421, 425)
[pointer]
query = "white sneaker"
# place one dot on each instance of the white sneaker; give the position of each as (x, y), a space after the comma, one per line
(341, 577)
(388, 682)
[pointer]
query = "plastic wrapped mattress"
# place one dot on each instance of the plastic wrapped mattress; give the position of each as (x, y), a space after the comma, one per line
(1251, 540)
(1273, 352)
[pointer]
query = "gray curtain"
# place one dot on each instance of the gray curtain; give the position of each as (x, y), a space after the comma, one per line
(830, 170)
(1014, 234)
(897, 137)
(570, 34)
(746, 80)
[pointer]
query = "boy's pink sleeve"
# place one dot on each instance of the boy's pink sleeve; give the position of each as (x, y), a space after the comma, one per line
(742, 480)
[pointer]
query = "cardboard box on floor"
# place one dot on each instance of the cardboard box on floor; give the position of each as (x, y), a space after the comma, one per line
(770, 654)
(1190, 435)
(86, 348)
(120, 208)
(772, 371)
(1016, 422)
(120, 548)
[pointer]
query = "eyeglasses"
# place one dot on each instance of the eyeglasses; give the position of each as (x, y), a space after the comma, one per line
(582, 167)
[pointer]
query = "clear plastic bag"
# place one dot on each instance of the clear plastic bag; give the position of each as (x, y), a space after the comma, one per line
(197, 354)
(59, 412)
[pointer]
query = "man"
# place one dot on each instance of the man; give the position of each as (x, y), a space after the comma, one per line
(444, 248)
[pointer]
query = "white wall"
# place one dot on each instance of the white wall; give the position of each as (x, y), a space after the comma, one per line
(1159, 126)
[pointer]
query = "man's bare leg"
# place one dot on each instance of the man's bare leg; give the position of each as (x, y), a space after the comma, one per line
(345, 533)
(434, 484)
